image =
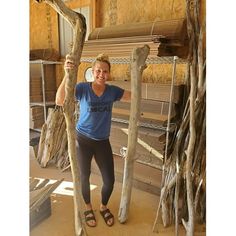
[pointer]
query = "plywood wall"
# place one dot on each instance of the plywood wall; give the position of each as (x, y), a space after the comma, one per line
(106, 13)
(43, 26)
(121, 11)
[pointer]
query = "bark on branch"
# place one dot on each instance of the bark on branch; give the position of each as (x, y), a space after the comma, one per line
(78, 24)
(138, 59)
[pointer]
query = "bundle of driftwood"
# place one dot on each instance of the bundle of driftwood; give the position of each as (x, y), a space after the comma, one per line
(183, 193)
(53, 141)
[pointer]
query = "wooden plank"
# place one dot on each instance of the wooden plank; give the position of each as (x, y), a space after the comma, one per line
(153, 91)
(145, 115)
(172, 29)
(152, 106)
(119, 138)
(165, 38)
(161, 92)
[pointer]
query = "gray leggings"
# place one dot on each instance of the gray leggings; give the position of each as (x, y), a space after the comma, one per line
(101, 151)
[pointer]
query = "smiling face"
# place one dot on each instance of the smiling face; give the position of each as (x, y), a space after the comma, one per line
(101, 72)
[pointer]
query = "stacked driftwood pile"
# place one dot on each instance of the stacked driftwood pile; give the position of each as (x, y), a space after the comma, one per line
(183, 193)
(53, 141)
(164, 38)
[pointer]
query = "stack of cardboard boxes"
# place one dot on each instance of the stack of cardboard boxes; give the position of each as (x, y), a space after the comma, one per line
(36, 91)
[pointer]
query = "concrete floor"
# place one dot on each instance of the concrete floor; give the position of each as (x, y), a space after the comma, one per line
(61, 222)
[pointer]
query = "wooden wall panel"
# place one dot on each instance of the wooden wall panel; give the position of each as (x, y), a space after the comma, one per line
(154, 73)
(170, 9)
(110, 12)
(103, 13)
(133, 11)
(41, 28)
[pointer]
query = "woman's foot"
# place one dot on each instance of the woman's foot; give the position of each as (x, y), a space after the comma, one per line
(107, 215)
(90, 218)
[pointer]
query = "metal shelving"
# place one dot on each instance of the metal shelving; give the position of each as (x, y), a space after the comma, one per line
(44, 103)
(150, 60)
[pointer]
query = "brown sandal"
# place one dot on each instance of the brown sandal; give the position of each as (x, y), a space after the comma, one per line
(88, 218)
(106, 214)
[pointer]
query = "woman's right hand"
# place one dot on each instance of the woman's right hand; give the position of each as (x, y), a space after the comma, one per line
(69, 63)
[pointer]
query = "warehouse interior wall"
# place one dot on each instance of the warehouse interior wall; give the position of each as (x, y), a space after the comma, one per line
(44, 30)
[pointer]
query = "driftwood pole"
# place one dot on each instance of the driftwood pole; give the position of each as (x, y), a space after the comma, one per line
(139, 56)
(78, 23)
(193, 38)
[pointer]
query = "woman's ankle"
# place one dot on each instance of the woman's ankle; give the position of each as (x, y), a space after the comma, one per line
(103, 207)
(88, 206)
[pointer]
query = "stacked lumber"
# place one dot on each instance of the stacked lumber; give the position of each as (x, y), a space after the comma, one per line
(36, 117)
(149, 148)
(154, 102)
(118, 47)
(36, 94)
(174, 30)
(40, 203)
(154, 91)
(154, 110)
(165, 38)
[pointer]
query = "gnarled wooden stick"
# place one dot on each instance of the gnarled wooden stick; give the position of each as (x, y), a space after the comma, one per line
(138, 59)
(189, 226)
(78, 23)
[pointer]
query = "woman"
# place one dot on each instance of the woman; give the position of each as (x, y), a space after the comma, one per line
(93, 130)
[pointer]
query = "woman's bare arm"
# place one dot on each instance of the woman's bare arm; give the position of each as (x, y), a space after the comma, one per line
(60, 95)
(126, 96)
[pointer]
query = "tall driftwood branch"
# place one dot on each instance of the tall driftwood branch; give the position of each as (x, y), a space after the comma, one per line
(200, 56)
(139, 56)
(183, 187)
(189, 226)
(78, 24)
(190, 152)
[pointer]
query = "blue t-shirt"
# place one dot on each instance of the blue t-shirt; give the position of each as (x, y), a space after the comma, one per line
(95, 112)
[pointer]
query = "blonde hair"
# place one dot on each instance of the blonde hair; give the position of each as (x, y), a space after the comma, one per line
(102, 58)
